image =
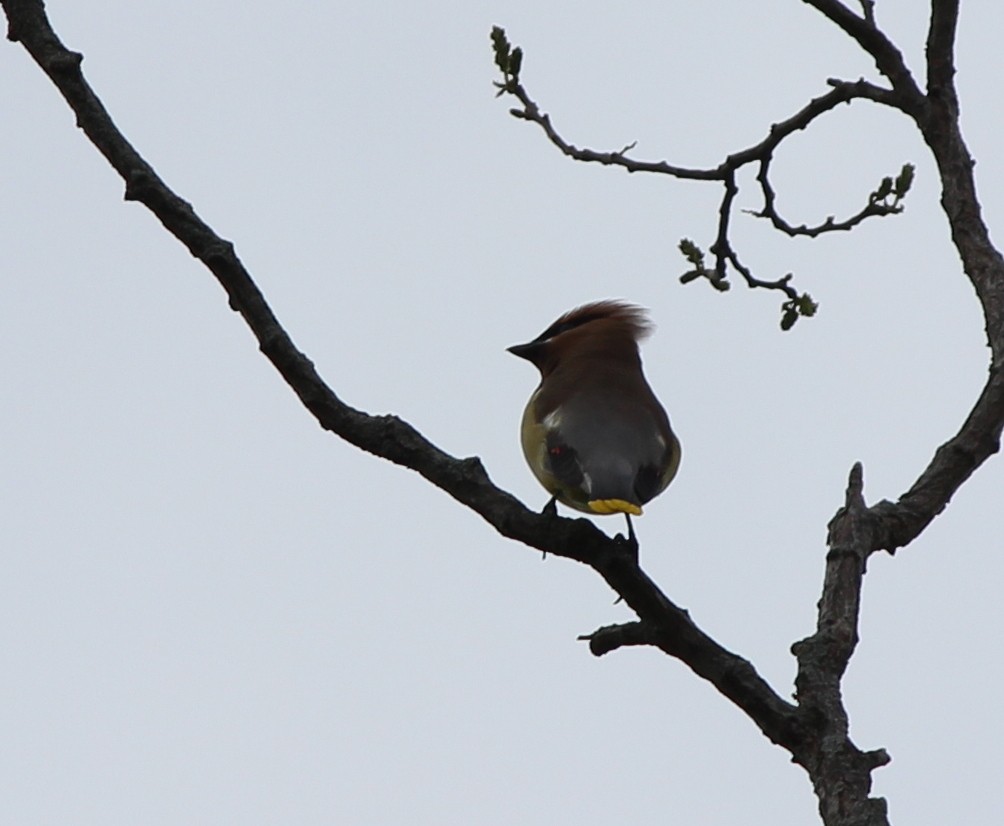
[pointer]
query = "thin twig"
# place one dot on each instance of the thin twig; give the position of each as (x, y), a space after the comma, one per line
(762, 152)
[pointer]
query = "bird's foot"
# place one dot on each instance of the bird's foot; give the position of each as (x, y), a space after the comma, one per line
(631, 543)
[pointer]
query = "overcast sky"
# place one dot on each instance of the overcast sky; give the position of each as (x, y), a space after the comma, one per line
(213, 612)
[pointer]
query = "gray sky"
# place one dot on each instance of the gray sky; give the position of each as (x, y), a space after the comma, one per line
(212, 612)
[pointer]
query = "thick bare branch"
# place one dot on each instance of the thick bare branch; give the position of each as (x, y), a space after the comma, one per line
(953, 463)
(824, 656)
(840, 772)
(388, 436)
(868, 10)
(888, 58)
(816, 730)
(979, 437)
(941, 51)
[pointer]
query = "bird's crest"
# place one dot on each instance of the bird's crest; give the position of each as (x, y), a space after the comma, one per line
(632, 319)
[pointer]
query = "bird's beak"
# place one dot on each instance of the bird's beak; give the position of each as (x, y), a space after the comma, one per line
(525, 351)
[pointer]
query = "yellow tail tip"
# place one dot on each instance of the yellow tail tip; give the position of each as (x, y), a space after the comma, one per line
(607, 506)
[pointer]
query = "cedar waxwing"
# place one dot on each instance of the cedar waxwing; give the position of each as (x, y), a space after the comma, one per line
(593, 433)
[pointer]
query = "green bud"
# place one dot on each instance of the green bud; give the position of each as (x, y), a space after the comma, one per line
(904, 180)
(515, 62)
(806, 306)
(692, 253)
(788, 317)
(500, 45)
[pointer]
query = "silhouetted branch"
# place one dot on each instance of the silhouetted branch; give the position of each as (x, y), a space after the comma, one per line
(611, 637)
(878, 204)
(388, 436)
(761, 153)
(868, 10)
(888, 58)
(979, 438)
(840, 772)
(815, 731)
(941, 49)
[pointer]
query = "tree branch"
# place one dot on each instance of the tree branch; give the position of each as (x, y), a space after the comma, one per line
(841, 91)
(388, 436)
(952, 464)
(611, 637)
(840, 772)
(941, 51)
(869, 37)
(877, 206)
(531, 112)
(979, 437)
(815, 731)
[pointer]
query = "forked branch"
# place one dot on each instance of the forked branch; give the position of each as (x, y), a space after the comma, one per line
(388, 436)
(814, 730)
(726, 257)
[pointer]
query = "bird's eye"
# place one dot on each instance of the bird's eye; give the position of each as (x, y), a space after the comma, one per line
(553, 330)
(560, 327)
(556, 330)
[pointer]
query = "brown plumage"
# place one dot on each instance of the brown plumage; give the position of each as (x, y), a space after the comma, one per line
(593, 432)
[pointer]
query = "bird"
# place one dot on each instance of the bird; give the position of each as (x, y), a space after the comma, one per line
(593, 432)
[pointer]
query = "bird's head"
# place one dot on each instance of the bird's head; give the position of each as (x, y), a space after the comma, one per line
(604, 330)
